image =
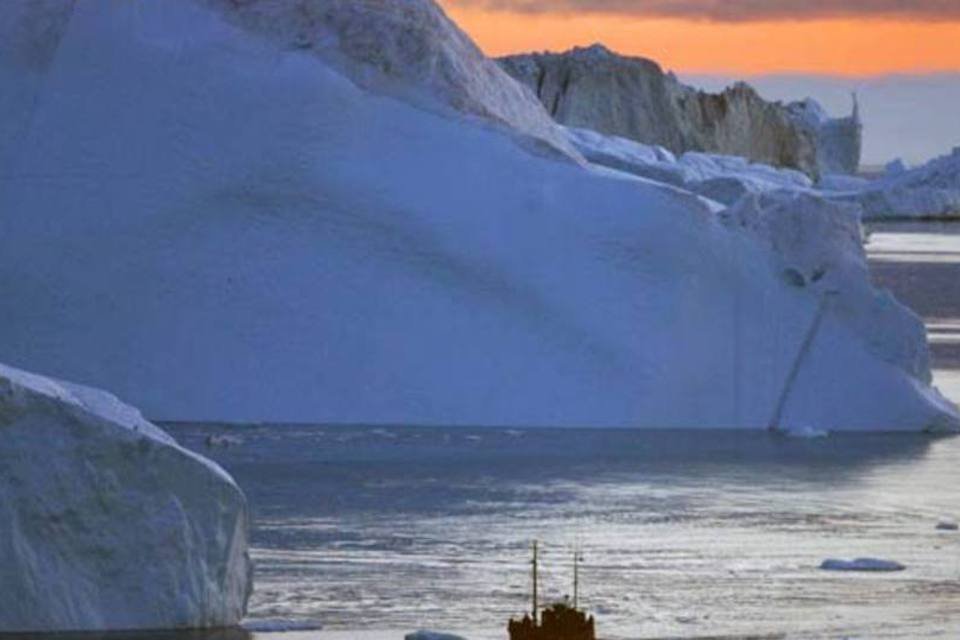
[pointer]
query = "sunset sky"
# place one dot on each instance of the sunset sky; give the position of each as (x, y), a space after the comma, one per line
(745, 37)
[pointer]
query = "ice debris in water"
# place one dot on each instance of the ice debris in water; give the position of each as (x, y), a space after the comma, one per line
(861, 564)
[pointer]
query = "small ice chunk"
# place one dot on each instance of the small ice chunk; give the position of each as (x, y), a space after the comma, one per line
(861, 564)
(805, 431)
(222, 442)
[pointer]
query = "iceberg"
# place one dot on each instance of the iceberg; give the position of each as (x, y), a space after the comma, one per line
(106, 523)
(250, 212)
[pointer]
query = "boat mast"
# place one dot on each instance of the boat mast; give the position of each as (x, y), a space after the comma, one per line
(576, 579)
(535, 607)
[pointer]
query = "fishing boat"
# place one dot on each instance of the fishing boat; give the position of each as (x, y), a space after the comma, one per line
(559, 621)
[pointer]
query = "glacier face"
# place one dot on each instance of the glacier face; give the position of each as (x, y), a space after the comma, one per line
(219, 225)
(105, 523)
(594, 88)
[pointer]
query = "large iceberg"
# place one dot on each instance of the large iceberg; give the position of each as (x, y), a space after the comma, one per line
(105, 523)
(234, 211)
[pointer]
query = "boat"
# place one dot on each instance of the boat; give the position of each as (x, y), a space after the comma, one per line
(559, 621)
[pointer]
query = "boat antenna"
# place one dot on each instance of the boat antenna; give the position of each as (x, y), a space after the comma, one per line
(534, 563)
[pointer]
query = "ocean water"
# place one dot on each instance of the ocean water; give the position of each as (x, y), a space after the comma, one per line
(684, 533)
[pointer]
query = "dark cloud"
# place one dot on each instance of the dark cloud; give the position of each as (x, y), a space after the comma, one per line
(735, 10)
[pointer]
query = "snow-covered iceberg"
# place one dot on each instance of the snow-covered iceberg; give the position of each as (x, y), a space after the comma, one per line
(107, 524)
(234, 211)
(630, 97)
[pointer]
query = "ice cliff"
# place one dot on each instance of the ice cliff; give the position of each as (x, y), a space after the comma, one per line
(105, 523)
(629, 97)
(280, 210)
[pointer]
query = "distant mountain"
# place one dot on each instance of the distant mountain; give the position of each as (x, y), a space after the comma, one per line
(632, 97)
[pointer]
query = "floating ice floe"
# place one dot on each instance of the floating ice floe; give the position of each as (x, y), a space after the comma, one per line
(861, 564)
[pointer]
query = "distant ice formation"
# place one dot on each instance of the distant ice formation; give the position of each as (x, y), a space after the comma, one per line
(106, 523)
(631, 97)
(929, 191)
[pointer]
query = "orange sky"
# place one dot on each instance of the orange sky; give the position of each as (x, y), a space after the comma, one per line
(850, 47)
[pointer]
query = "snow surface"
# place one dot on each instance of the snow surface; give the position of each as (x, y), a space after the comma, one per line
(409, 49)
(222, 226)
(724, 179)
(861, 564)
(105, 523)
